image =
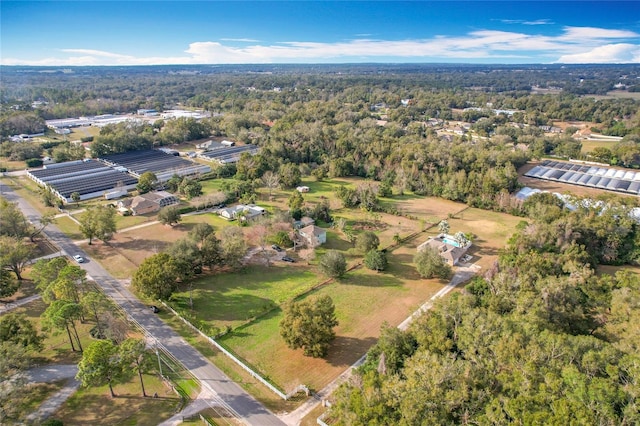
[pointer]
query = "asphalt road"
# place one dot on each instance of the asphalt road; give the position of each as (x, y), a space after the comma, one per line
(231, 396)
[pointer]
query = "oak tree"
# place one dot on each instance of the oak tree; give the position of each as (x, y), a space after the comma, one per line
(309, 324)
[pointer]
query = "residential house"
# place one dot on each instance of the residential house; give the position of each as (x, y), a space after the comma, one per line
(150, 202)
(242, 212)
(313, 236)
(450, 250)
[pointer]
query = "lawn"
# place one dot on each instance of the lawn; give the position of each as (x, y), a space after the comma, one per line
(69, 227)
(124, 222)
(81, 132)
(363, 300)
(231, 299)
(29, 190)
(589, 145)
(318, 191)
(428, 210)
(11, 165)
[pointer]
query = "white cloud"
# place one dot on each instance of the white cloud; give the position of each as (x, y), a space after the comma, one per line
(538, 22)
(578, 34)
(574, 44)
(99, 53)
(523, 22)
(243, 40)
(608, 54)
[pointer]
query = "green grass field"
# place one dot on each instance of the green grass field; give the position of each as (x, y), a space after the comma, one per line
(231, 299)
(363, 300)
(69, 227)
(589, 145)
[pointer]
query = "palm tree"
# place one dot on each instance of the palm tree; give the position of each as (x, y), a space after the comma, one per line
(443, 227)
(461, 239)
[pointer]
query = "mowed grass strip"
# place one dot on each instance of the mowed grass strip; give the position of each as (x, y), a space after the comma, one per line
(364, 300)
(69, 227)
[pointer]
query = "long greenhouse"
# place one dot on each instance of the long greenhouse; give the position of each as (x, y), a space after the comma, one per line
(601, 177)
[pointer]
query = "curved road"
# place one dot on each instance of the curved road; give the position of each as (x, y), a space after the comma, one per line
(231, 396)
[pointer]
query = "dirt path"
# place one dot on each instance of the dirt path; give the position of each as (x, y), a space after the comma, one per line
(48, 374)
(6, 307)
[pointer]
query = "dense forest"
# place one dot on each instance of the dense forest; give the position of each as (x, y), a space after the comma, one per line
(326, 119)
(542, 338)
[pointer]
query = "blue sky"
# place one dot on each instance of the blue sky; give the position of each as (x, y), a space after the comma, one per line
(230, 32)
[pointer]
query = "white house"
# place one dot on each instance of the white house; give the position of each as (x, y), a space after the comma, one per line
(313, 235)
(242, 212)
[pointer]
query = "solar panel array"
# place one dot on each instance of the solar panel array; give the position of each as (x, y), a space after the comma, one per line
(84, 177)
(228, 155)
(153, 160)
(626, 181)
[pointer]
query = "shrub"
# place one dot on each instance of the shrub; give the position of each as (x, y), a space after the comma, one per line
(333, 264)
(33, 162)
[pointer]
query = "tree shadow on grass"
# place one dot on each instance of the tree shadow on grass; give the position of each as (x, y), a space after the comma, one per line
(344, 351)
(213, 306)
(373, 279)
(481, 248)
(401, 265)
(138, 244)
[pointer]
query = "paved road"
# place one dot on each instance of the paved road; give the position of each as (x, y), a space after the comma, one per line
(230, 395)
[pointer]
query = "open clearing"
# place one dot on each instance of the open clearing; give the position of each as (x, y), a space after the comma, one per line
(363, 300)
(248, 301)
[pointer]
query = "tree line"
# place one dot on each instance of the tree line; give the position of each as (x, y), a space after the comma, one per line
(542, 337)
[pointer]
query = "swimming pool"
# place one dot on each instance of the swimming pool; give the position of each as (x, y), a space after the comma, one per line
(451, 242)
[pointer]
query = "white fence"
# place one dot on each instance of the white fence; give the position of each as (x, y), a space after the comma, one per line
(277, 391)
